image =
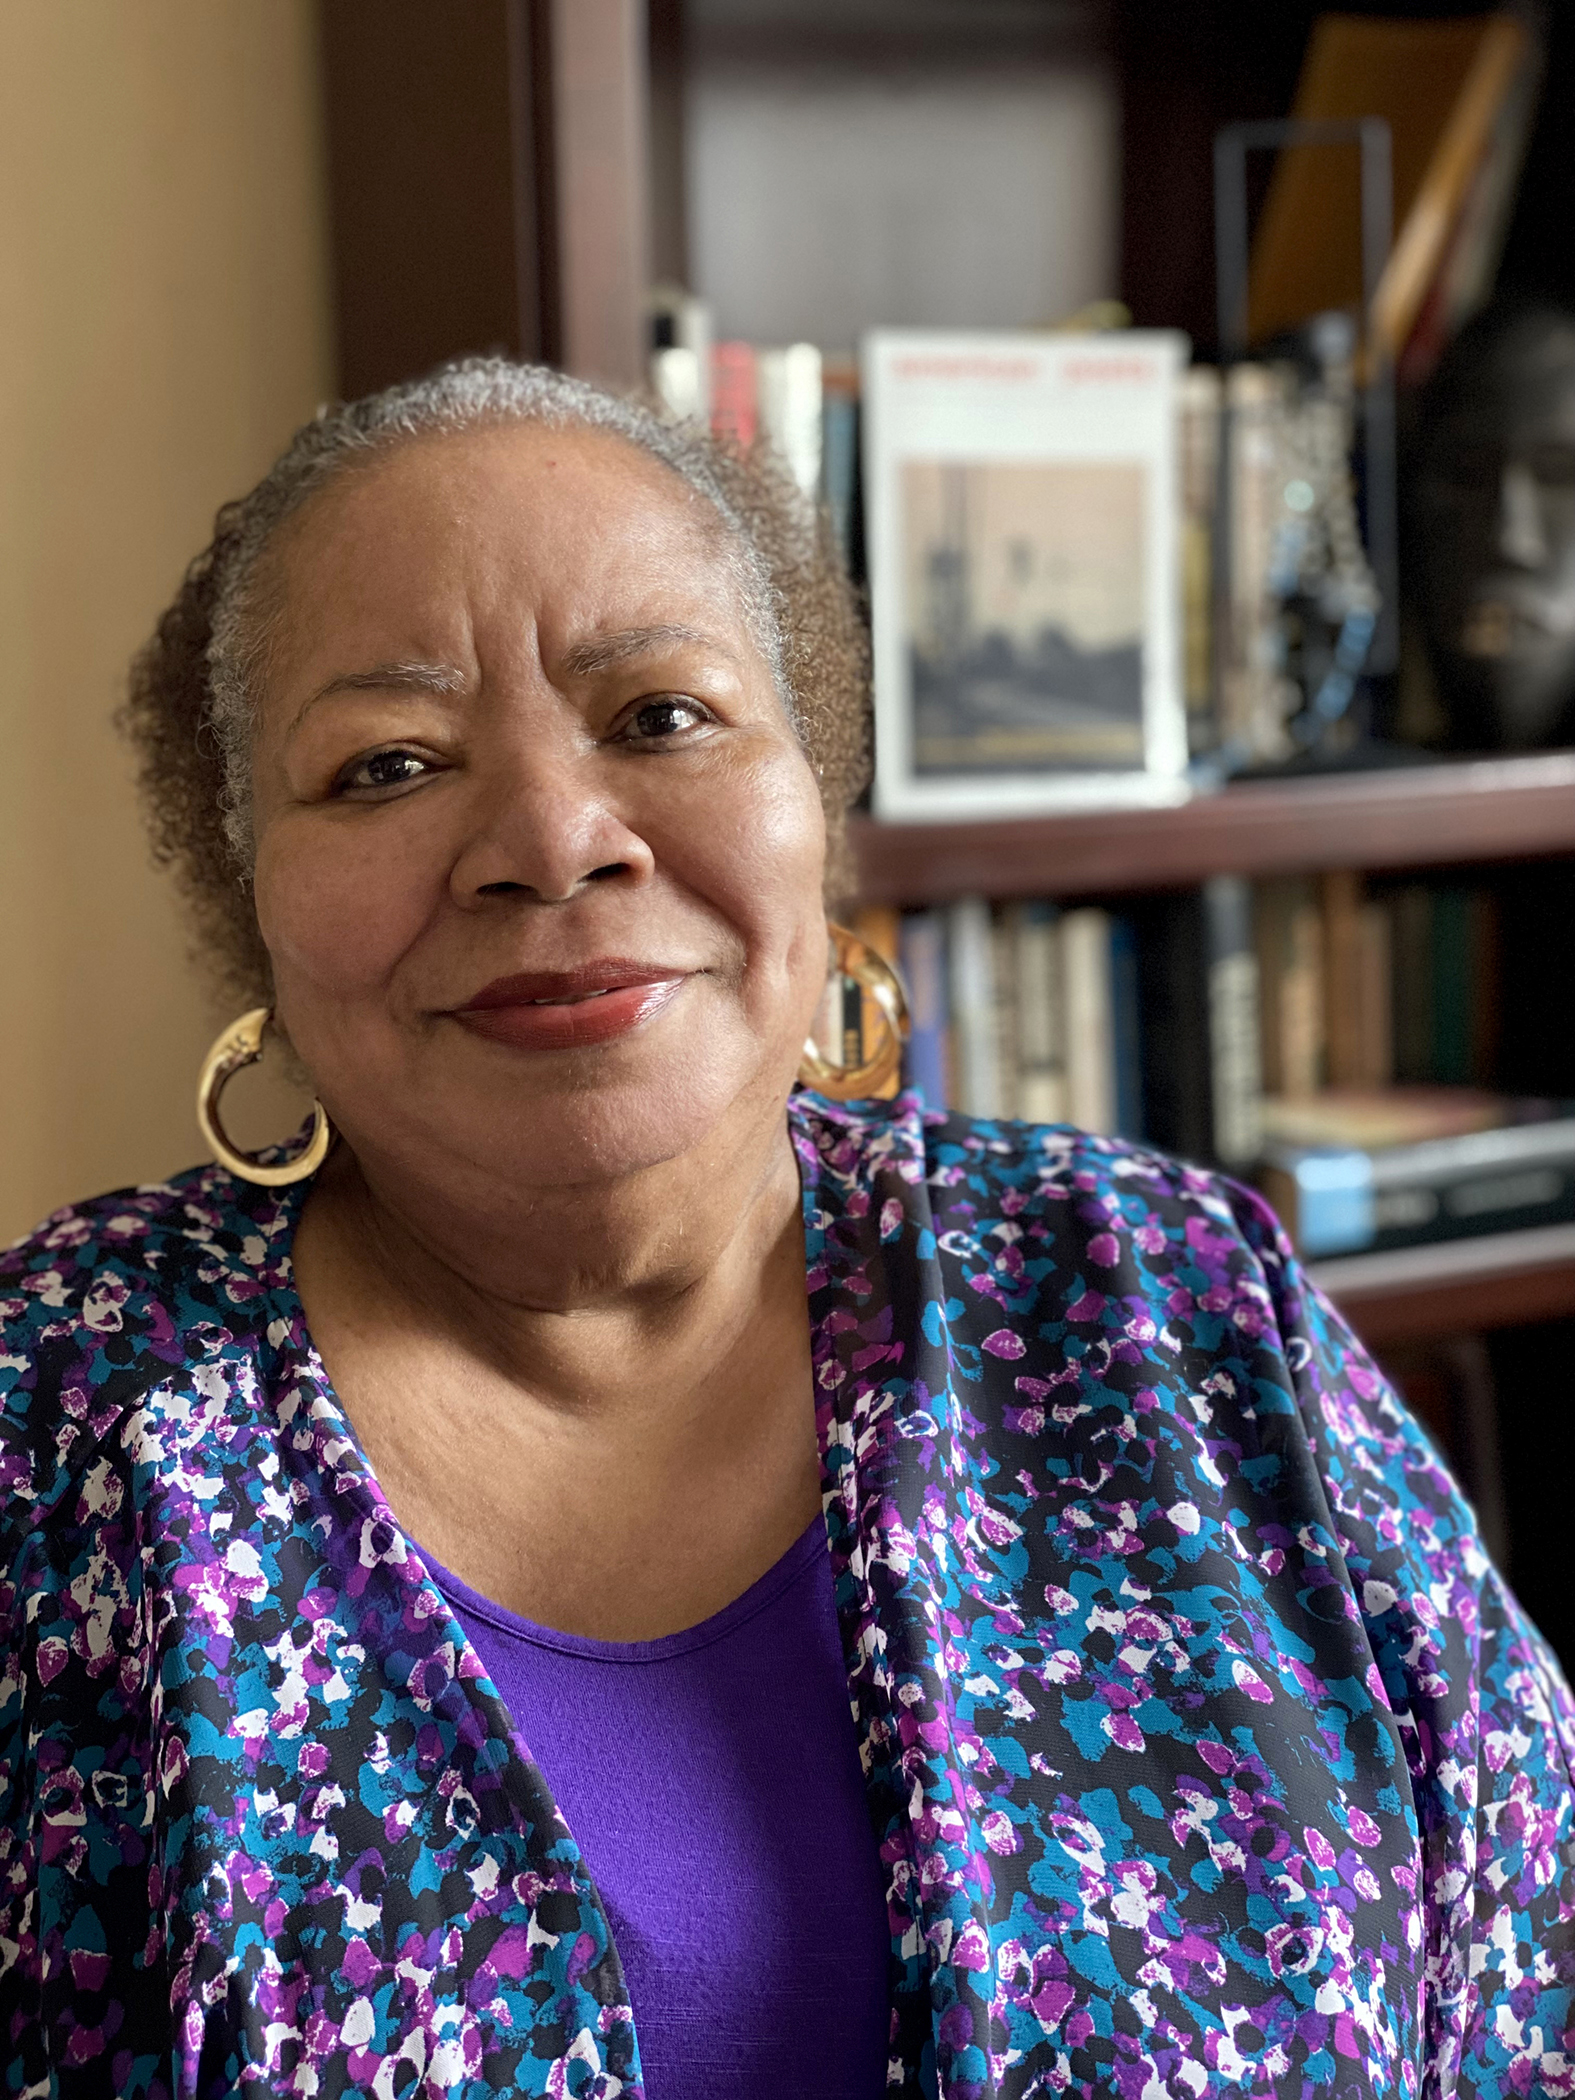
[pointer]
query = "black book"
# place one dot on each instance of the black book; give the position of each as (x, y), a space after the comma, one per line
(1198, 983)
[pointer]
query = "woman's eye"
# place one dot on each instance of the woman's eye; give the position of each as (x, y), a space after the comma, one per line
(384, 769)
(655, 720)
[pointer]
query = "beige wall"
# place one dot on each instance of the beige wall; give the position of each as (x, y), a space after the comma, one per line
(164, 324)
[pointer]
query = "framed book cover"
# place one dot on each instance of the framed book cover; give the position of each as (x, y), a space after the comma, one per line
(1021, 505)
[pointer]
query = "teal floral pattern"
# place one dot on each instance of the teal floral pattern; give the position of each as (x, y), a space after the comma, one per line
(1206, 1752)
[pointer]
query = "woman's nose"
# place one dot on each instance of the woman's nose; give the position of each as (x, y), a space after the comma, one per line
(544, 824)
(1522, 539)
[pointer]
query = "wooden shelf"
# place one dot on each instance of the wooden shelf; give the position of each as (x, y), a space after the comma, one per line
(1478, 810)
(1457, 1287)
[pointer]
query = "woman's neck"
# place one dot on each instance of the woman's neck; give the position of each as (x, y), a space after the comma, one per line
(604, 1417)
(542, 1281)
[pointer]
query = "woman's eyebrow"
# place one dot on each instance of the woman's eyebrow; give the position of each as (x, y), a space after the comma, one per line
(604, 652)
(391, 677)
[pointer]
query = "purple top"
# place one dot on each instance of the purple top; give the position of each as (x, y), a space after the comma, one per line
(712, 1780)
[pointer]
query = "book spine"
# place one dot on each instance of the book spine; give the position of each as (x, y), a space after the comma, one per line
(1411, 982)
(1325, 1201)
(1290, 973)
(1375, 986)
(1342, 976)
(788, 391)
(1177, 1076)
(1126, 1030)
(970, 974)
(734, 411)
(840, 471)
(1302, 1001)
(1090, 1042)
(1235, 1064)
(1422, 240)
(1041, 1015)
(1452, 944)
(923, 956)
(1358, 985)
(1486, 987)
(1004, 984)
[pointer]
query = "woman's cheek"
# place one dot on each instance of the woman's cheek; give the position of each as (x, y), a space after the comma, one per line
(337, 910)
(758, 849)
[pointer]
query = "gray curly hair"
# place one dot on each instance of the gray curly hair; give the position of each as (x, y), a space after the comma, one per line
(192, 706)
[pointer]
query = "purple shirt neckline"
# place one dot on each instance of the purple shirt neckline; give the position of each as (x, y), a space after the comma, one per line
(762, 1592)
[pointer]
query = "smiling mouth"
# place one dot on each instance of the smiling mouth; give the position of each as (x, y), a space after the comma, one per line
(570, 1009)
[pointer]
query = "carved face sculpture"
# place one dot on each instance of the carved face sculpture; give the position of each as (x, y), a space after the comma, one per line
(1493, 531)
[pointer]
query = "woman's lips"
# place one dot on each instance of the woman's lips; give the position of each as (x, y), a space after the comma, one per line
(571, 1009)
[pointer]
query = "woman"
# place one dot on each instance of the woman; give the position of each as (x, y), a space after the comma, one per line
(622, 1578)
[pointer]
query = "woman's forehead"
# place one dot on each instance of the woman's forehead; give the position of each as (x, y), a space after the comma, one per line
(570, 520)
(508, 476)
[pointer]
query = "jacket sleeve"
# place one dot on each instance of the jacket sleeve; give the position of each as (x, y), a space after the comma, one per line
(1483, 1708)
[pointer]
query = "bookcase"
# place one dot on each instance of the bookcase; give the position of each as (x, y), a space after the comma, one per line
(533, 189)
(1470, 813)
(526, 198)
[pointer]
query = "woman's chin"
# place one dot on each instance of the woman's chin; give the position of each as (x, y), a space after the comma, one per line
(545, 1136)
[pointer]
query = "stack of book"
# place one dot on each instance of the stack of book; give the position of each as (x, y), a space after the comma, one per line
(804, 404)
(1333, 1039)
(1355, 1172)
(1140, 1023)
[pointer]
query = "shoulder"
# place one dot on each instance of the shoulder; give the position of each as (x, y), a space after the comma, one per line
(199, 1246)
(976, 1169)
(112, 1297)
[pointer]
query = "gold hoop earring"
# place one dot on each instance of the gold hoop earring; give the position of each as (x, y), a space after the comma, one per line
(868, 968)
(239, 1045)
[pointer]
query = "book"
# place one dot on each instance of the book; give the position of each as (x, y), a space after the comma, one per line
(1422, 242)
(1341, 894)
(1090, 1020)
(1202, 1069)
(1358, 991)
(1004, 985)
(970, 986)
(1234, 1021)
(1289, 934)
(1350, 1200)
(1024, 582)
(788, 394)
(1411, 982)
(1375, 996)
(1173, 967)
(1464, 280)
(1126, 1032)
(840, 481)
(1040, 1012)
(1372, 1119)
(922, 953)
(1454, 932)
(1441, 86)
(734, 407)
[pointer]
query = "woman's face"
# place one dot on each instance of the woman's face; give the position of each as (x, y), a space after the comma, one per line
(538, 852)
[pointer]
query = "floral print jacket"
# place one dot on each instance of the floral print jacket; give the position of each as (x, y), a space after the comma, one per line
(1207, 1754)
